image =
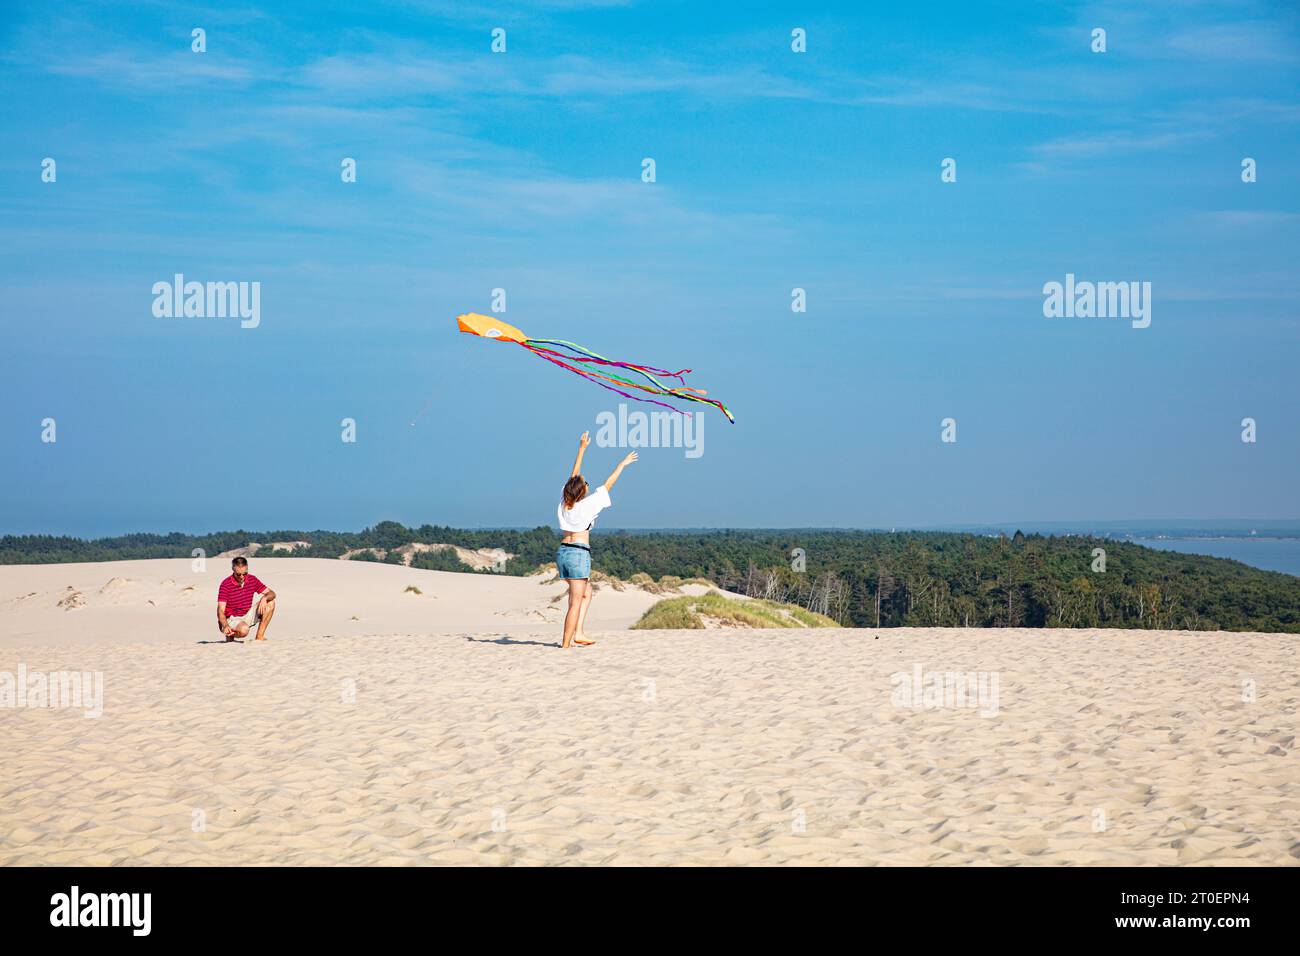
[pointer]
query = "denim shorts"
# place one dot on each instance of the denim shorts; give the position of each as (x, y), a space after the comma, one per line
(573, 562)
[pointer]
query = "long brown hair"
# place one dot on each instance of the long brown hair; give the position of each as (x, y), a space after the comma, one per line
(575, 489)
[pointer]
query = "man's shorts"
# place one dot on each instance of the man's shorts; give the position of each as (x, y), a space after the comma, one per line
(251, 618)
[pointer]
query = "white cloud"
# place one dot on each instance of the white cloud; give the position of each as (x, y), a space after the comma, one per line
(1239, 41)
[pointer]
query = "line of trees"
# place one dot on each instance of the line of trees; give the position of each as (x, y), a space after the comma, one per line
(862, 579)
(918, 579)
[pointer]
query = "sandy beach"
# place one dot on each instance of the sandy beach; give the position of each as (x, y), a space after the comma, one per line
(379, 726)
(167, 601)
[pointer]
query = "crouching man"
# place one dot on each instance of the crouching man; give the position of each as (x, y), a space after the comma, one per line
(242, 602)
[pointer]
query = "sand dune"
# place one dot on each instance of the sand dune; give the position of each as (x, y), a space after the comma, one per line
(481, 743)
(168, 601)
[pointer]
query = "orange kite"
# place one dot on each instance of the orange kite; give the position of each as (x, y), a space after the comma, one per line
(591, 366)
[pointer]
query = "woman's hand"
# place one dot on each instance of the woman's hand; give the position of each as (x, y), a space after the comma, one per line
(618, 469)
(583, 442)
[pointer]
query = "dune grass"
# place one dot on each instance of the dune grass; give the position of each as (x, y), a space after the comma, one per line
(690, 613)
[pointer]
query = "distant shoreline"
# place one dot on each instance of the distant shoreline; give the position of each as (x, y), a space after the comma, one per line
(1214, 537)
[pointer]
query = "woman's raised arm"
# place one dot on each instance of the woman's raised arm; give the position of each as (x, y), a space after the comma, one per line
(583, 442)
(627, 460)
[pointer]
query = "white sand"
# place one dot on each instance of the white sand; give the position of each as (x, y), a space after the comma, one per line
(469, 738)
(169, 602)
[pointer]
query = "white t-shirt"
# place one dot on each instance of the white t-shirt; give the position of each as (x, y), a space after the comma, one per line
(581, 515)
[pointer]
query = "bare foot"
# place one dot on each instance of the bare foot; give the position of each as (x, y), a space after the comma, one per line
(583, 641)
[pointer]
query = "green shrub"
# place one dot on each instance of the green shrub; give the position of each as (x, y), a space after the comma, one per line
(689, 612)
(443, 559)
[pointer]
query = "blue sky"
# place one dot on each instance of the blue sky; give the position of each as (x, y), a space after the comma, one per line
(522, 171)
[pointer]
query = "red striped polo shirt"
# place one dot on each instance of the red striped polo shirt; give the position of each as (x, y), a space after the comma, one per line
(239, 600)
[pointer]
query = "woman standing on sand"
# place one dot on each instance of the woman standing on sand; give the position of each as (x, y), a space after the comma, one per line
(577, 512)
